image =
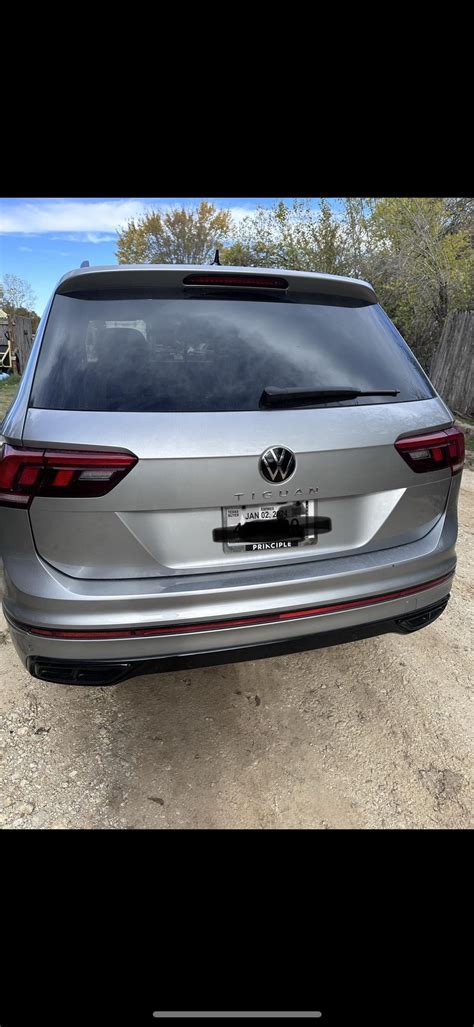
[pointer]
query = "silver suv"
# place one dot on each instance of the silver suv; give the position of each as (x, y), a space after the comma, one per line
(215, 464)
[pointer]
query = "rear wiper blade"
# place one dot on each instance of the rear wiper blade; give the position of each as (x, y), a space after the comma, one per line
(273, 397)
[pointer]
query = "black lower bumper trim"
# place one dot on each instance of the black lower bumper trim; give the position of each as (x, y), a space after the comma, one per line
(111, 672)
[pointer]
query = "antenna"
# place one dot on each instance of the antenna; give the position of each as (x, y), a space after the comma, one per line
(216, 259)
(85, 263)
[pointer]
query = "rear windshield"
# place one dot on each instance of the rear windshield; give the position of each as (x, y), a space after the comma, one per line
(206, 353)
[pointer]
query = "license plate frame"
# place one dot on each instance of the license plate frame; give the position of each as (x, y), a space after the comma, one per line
(262, 512)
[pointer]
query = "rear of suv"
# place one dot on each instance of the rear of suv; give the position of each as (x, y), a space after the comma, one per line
(213, 464)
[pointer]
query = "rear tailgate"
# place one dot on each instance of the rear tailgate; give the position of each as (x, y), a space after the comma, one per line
(133, 360)
(160, 518)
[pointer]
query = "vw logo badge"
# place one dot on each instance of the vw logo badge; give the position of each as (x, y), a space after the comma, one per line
(277, 464)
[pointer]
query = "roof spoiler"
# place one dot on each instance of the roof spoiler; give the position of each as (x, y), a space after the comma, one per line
(170, 276)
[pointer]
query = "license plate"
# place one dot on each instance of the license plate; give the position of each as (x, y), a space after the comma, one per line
(295, 513)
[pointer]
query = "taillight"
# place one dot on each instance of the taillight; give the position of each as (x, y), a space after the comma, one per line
(434, 451)
(25, 473)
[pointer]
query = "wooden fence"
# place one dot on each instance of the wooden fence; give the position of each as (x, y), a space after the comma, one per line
(20, 334)
(452, 366)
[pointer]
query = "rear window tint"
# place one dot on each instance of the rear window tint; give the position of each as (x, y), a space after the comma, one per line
(137, 352)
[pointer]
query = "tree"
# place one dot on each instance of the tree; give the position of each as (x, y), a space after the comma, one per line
(417, 252)
(355, 227)
(180, 236)
(293, 236)
(459, 214)
(16, 293)
(421, 263)
(255, 243)
(329, 243)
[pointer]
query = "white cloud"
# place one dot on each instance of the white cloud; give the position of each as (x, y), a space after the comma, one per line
(93, 237)
(41, 216)
(25, 249)
(239, 213)
(83, 221)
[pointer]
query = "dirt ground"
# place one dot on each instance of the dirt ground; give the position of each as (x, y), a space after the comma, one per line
(374, 734)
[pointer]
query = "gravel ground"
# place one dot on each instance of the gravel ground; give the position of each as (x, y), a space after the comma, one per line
(373, 734)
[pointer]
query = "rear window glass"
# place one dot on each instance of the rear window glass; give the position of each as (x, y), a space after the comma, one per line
(140, 352)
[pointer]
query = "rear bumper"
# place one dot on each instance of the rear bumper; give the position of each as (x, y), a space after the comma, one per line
(109, 660)
(106, 672)
(351, 597)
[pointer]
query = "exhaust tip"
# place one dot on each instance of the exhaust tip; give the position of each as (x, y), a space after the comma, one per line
(83, 673)
(421, 618)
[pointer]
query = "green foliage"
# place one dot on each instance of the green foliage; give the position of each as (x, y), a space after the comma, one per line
(8, 389)
(421, 262)
(289, 236)
(179, 236)
(418, 253)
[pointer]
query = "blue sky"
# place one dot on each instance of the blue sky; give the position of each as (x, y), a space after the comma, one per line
(42, 238)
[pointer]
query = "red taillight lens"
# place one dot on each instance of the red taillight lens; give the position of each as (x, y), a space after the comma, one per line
(434, 451)
(27, 473)
(20, 472)
(262, 281)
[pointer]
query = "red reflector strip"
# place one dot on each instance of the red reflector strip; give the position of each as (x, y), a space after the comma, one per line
(272, 618)
(262, 281)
